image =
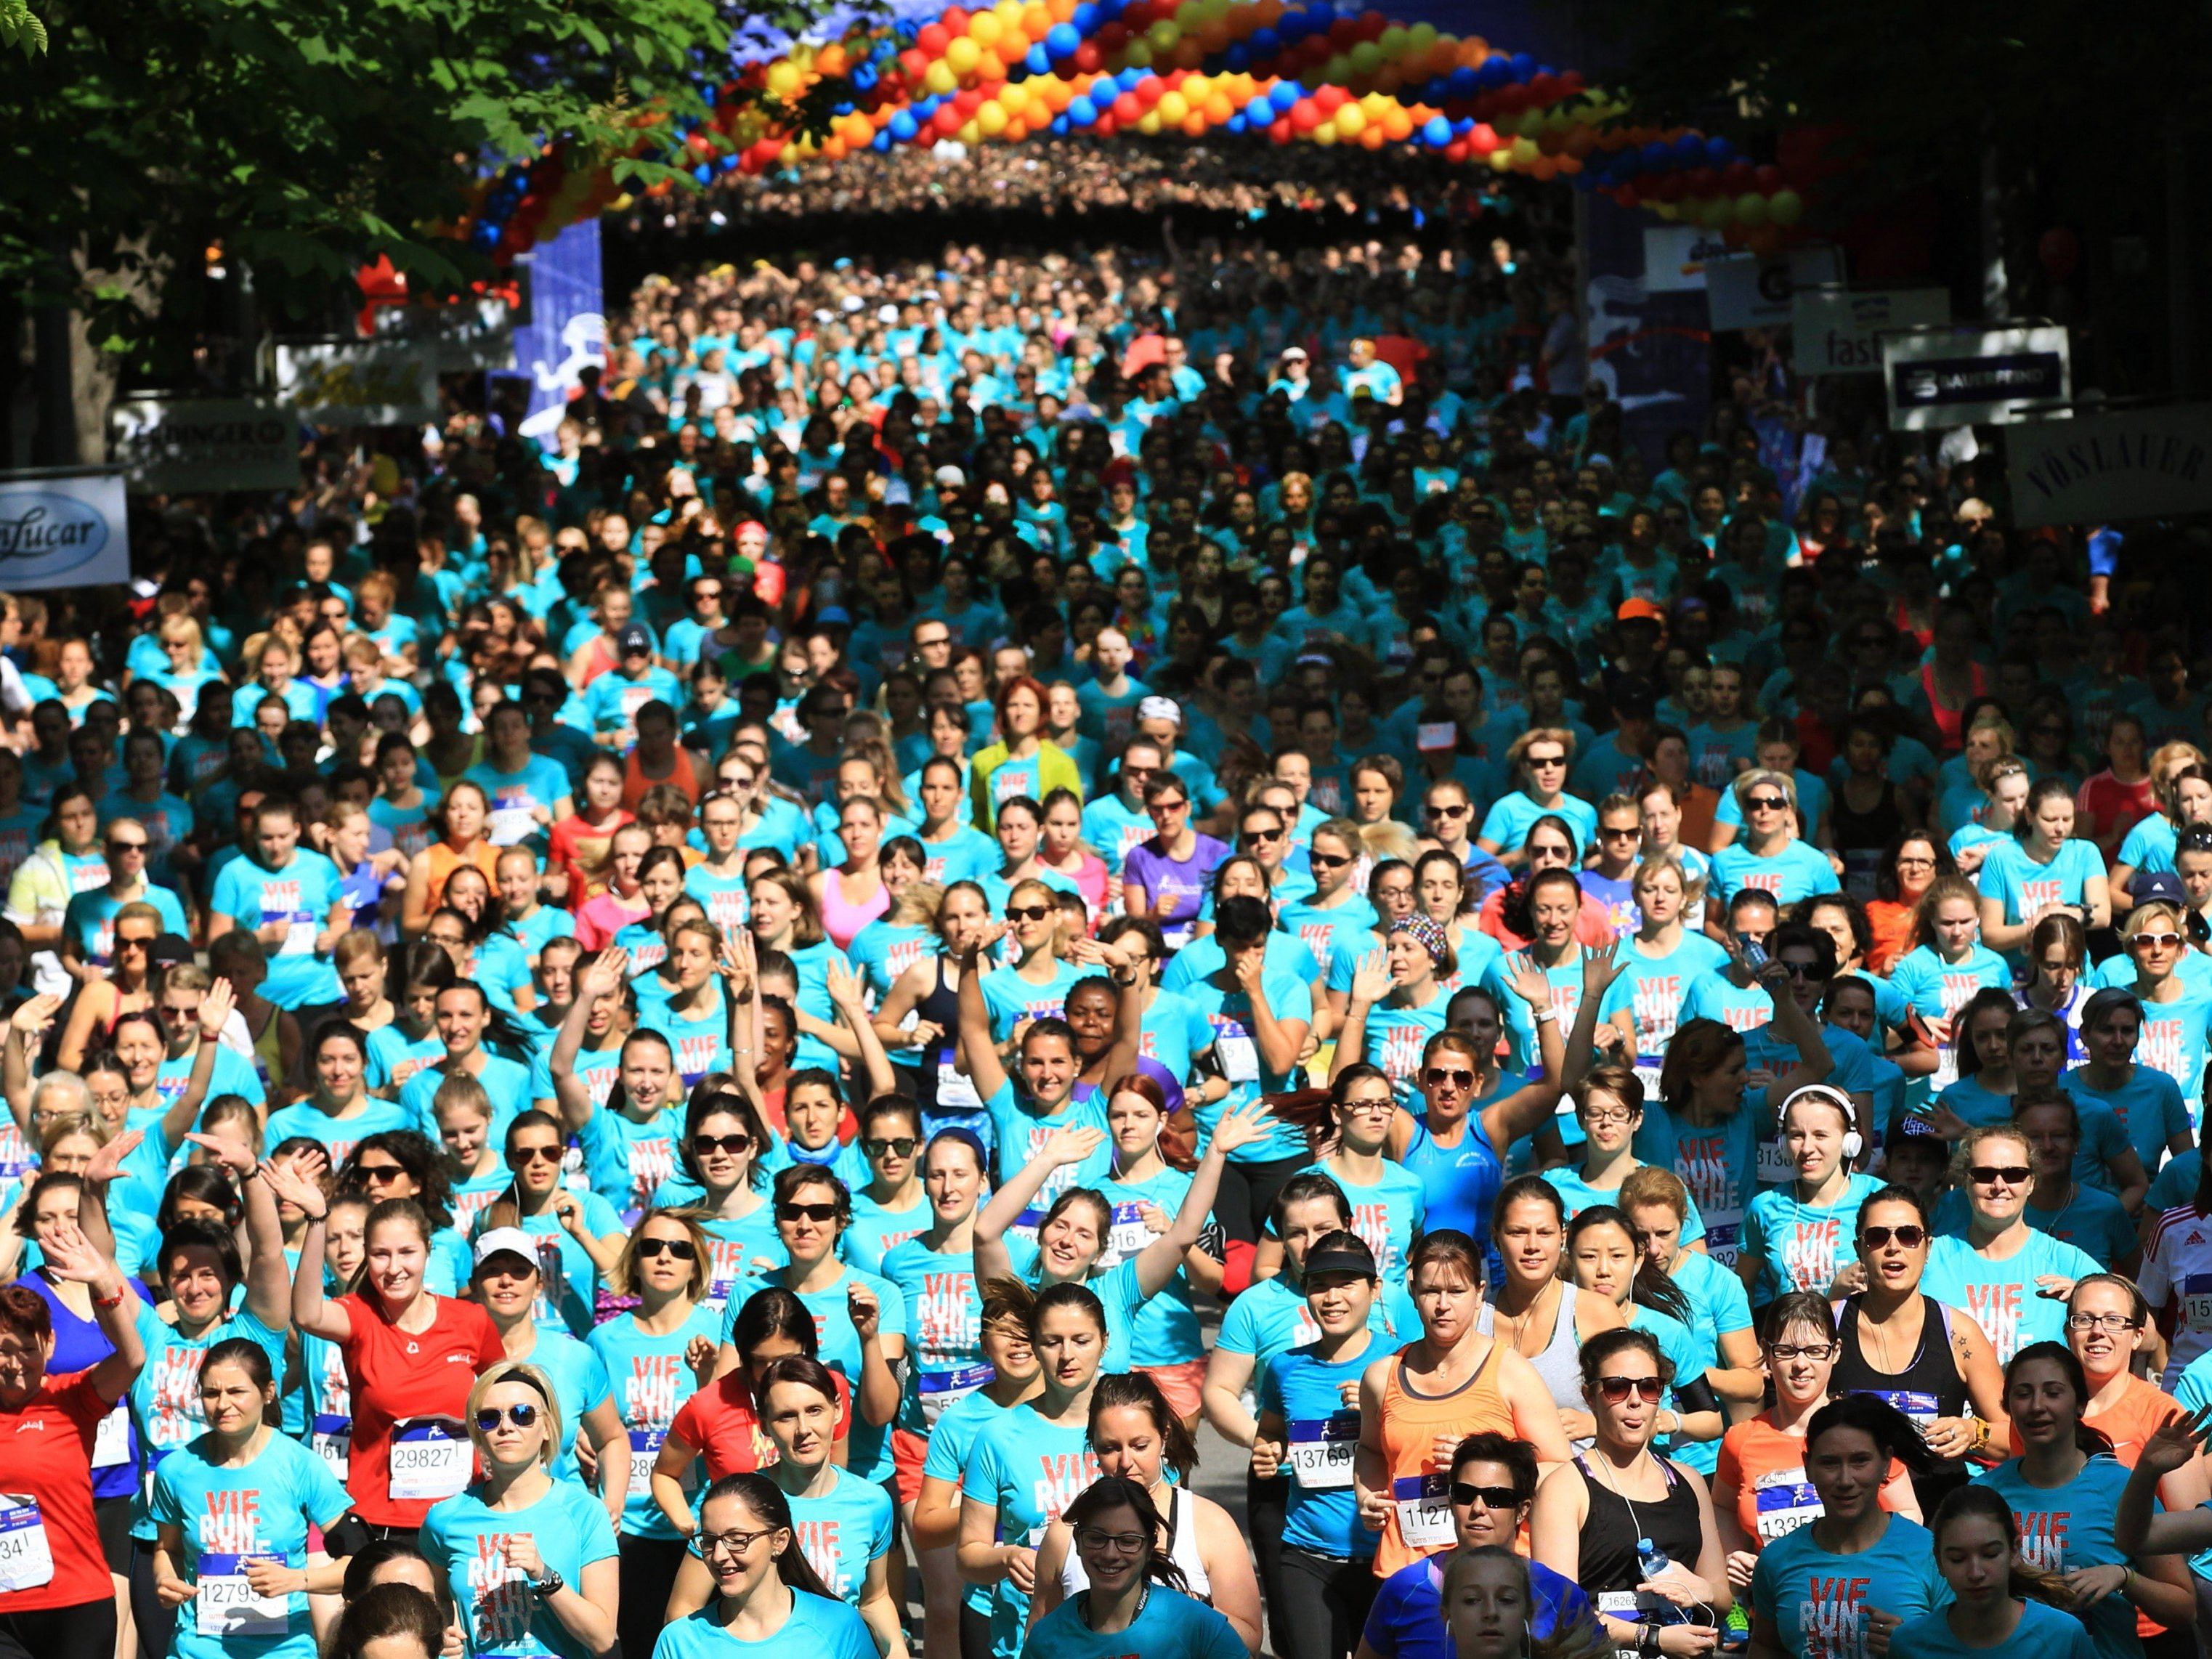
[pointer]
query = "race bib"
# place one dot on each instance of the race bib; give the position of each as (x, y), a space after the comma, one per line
(430, 1459)
(226, 1605)
(1775, 1167)
(1322, 1450)
(332, 1440)
(1431, 736)
(110, 1441)
(1922, 1408)
(937, 1391)
(300, 937)
(27, 1557)
(1127, 1236)
(2197, 1301)
(1786, 1501)
(1721, 1236)
(644, 1451)
(510, 824)
(1238, 1054)
(954, 1089)
(1424, 1506)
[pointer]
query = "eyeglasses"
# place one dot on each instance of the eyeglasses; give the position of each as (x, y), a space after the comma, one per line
(522, 1415)
(682, 1248)
(1764, 803)
(1326, 860)
(1904, 863)
(2115, 1323)
(1491, 1498)
(898, 1146)
(1028, 912)
(2158, 941)
(1628, 832)
(1436, 1076)
(1458, 811)
(702, 1146)
(1788, 1350)
(1598, 1117)
(379, 1172)
(1615, 1389)
(1989, 1175)
(710, 1544)
(521, 1155)
(1251, 837)
(806, 1213)
(1909, 1237)
(1121, 1543)
(938, 639)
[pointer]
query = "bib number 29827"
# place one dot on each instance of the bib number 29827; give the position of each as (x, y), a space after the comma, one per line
(430, 1459)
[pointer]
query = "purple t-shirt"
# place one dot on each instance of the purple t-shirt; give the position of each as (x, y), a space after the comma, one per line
(1183, 880)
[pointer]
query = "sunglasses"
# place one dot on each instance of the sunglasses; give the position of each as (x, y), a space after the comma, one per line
(702, 1146)
(1493, 1498)
(1764, 803)
(1459, 812)
(806, 1213)
(1438, 1075)
(522, 1416)
(1617, 1389)
(1326, 860)
(2158, 941)
(900, 1146)
(1169, 806)
(1547, 760)
(1251, 836)
(126, 847)
(682, 1248)
(379, 1171)
(1909, 1237)
(1629, 832)
(526, 1155)
(1989, 1175)
(1027, 912)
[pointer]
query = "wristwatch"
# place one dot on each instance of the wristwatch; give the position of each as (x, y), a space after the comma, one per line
(550, 1583)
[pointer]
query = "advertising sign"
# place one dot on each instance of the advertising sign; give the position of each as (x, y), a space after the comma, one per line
(62, 528)
(2111, 465)
(173, 445)
(1834, 328)
(1965, 376)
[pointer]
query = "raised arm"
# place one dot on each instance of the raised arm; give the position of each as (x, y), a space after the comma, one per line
(602, 977)
(185, 1111)
(298, 1182)
(26, 1026)
(844, 988)
(1795, 1027)
(1370, 983)
(1120, 961)
(267, 1279)
(71, 1256)
(1062, 1147)
(979, 1056)
(1157, 1262)
(2136, 1528)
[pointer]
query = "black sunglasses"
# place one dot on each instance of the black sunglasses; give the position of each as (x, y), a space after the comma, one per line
(682, 1248)
(898, 1146)
(806, 1213)
(522, 1155)
(1910, 1236)
(1028, 912)
(1494, 1497)
(1988, 1174)
(703, 1144)
(1764, 803)
(1326, 860)
(521, 1414)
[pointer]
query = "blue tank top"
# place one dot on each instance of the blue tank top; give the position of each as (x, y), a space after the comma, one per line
(1459, 1184)
(79, 1344)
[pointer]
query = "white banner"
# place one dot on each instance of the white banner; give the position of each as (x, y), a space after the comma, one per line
(1746, 290)
(1967, 375)
(1674, 257)
(183, 445)
(359, 382)
(62, 530)
(1833, 329)
(2111, 465)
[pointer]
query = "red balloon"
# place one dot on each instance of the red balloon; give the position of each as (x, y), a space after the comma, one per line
(1128, 110)
(1371, 24)
(1766, 179)
(1704, 181)
(1330, 100)
(1344, 33)
(1111, 38)
(1088, 59)
(956, 20)
(947, 119)
(1280, 129)
(1543, 89)
(1106, 126)
(1738, 177)
(1305, 115)
(1148, 92)
(968, 100)
(2060, 250)
(932, 38)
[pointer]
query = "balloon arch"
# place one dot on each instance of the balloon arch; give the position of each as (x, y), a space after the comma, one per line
(1307, 73)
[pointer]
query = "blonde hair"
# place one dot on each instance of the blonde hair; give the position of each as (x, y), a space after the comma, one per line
(1979, 1136)
(917, 907)
(1747, 781)
(1517, 750)
(549, 1407)
(622, 1280)
(2164, 909)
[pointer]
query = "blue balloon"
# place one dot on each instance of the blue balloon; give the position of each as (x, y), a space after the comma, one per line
(1625, 163)
(1461, 83)
(1495, 73)
(1110, 10)
(844, 106)
(709, 92)
(1081, 111)
(903, 127)
(1238, 58)
(1263, 45)
(1291, 28)
(881, 144)
(1690, 151)
(1086, 19)
(703, 172)
(1524, 65)
(1038, 61)
(1062, 40)
(1132, 77)
(1237, 122)
(1286, 96)
(1658, 155)
(1060, 128)
(1436, 132)
(1719, 152)
(729, 164)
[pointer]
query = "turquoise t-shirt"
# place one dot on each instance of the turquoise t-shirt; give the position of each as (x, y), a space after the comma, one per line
(1237, 1052)
(1169, 1625)
(1797, 872)
(165, 1395)
(2024, 886)
(1718, 1163)
(1026, 1471)
(1652, 988)
(2002, 1296)
(2069, 1527)
(1307, 1392)
(301, 895)
(500, 1614)
(950, 1444)
(649, 1380)
(1818, 1601)
(843, 1531)
(1799, 1246)
(2043, 1632)
(1386, 1215)
(231, 1516)
(1577, 1194)
(944, 1330)
(1011, 998)
(580, 1383)
(819, 1628)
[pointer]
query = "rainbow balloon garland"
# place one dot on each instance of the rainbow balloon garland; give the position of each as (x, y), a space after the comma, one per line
(1308, 73)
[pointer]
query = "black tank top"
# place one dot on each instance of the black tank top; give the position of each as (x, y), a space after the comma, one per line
(1876, 829)
(1609, 1561)
(1927, 1388)
(941, 1007)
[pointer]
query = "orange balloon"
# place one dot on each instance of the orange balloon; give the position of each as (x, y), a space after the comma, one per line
(1570, 165)
(1544, 167)
(1016, 131)
(1036, 20)
(1580, 141)
(1398, 123)
(833, 149)
(831, 61)
(1372, 137)
(1060, 11)
(1218, 109)
(1267, 13)
(1189, 53)
(1193, 124)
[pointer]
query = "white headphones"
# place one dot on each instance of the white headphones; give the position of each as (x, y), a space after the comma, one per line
(1854, 1143)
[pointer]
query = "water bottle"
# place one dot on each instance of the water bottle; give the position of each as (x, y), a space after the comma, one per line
(1651, 1559)
(1657, 1609)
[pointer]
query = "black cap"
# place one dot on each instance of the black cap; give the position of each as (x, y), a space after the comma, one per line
(634, 640)
(170, 949)
(1340, 1252)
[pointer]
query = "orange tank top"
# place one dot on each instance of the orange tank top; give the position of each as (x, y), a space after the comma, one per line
(1420, 1519)
(444, 860)
(684, 774)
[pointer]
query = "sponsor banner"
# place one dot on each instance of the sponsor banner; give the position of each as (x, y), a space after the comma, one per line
(1676, 256)
(567, 330)
(358, 382)
(2111, 465)
(1965, 376)
(1833, 329)
(64, 529)
(171, 444)
(1647, 340)
(1748, 290)
(476, 333)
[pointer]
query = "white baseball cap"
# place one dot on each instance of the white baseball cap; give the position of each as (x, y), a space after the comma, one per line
(507, 1241)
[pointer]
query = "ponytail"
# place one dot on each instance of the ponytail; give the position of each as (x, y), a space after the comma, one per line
(1653, 1287)
(2029, 1581)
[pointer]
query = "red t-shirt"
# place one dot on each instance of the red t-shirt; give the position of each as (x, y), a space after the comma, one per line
(45, 1449)
(720, 1421)
(398, 1377)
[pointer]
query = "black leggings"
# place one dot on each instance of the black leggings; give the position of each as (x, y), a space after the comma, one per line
(1324, 1605)
(157, 1624)
(86, 1630)
(1267, 1506)
(974, 1633)
(648, 1573)
(1248, 1194)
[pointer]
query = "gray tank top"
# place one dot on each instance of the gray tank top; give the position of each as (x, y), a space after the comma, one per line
(1560, 1363)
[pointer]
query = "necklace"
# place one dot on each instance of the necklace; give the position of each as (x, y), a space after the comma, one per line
(1499, 1319)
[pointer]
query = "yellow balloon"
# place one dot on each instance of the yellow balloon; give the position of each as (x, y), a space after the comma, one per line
(1137, 54)
(1377, 106)
(1149, 123)
(984, 28)
(970, 135)
(990, 118)
(1351, 121)
(1420, 37)
(1393, 41)
(1009, 13)
(1751, 210)
(963, 54)
(784, 79)
(1195, 89)
(803, 55)
(1365, 57)
(1785, 207)
(1523, 151)
(940, 79)
(1172, 108)
(1325, 134)
(1501, 160)
(1669, 210)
